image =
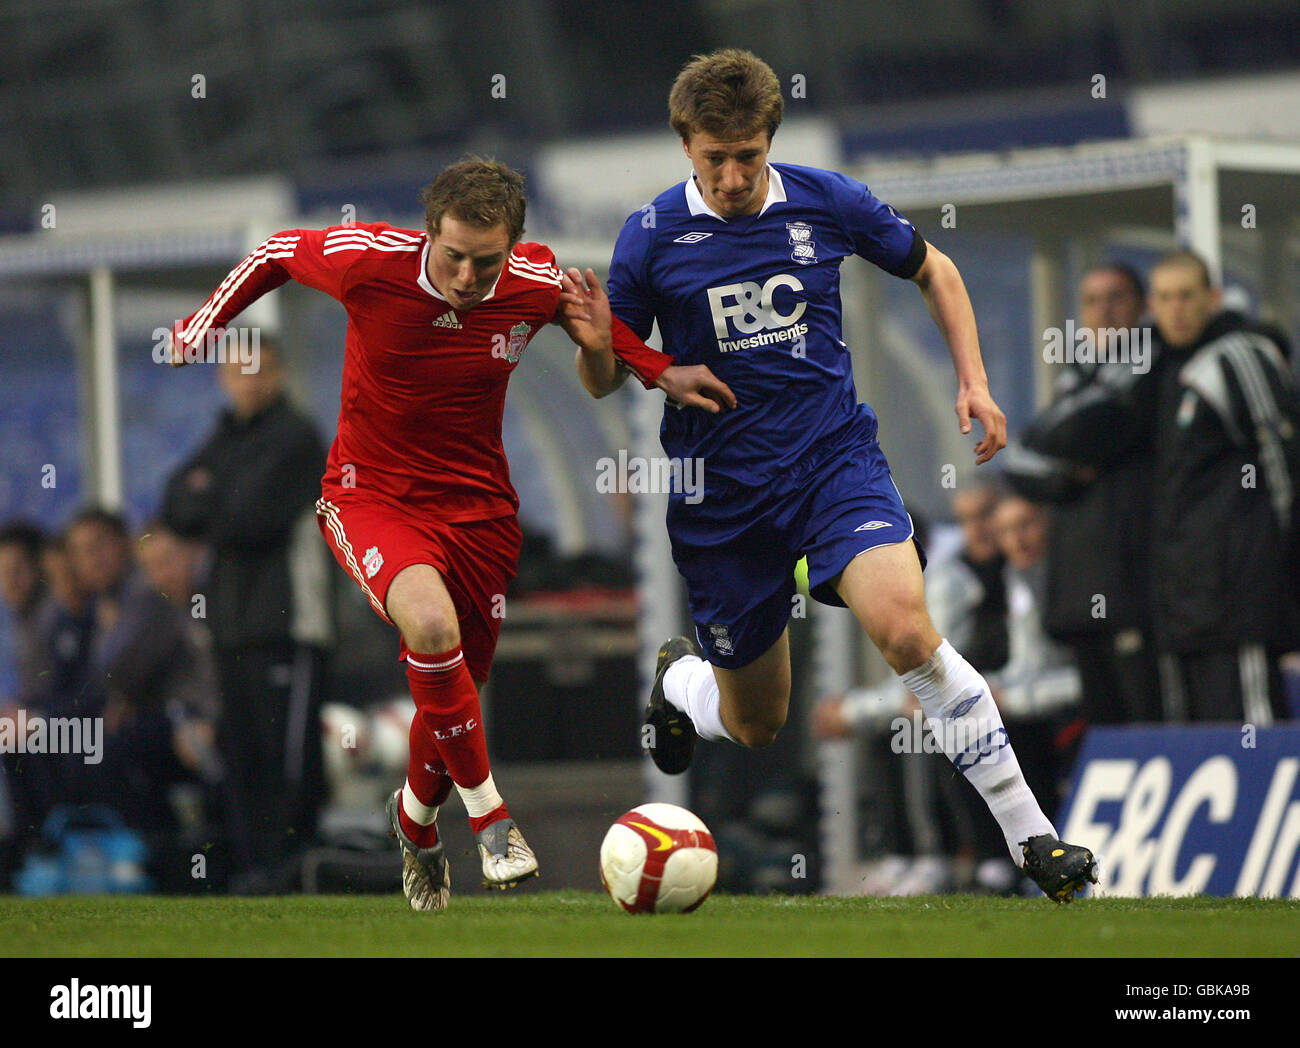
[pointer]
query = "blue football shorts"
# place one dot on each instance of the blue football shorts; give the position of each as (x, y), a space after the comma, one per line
(737, 548)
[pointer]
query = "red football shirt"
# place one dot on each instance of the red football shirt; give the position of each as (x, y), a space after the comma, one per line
(424, 384)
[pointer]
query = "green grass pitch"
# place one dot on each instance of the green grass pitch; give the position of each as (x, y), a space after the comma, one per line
(587, 924)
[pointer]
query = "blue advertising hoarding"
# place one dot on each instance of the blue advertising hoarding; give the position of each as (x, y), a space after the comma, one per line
(1189, 810)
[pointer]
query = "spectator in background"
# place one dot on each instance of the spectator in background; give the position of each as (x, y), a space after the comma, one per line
(1037, 690)
(173, 566)
(1083, 455)
(972, 589)
(54, 631)
(66, 631)
(141, 664)
(26, 595)
(1227, 462)
(27, 784)
(249, 493)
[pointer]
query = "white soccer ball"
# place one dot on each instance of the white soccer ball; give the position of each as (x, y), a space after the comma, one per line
(658, 858)
(390, 735)
(346, 738)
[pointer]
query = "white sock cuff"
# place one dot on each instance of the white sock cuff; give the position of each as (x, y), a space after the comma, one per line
(425, 664)
(676, 679)
(480, 799)
(418, 813)
(709, 726)
(697, 686)
(935, 670)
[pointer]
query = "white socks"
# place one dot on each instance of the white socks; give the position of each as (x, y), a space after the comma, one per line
(964, 718)
(689, 685)
(961, 713)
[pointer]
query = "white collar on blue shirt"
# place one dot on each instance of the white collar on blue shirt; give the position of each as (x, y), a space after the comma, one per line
(695, 200)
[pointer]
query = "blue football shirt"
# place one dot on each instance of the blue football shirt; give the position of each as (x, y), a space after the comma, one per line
(757, 299)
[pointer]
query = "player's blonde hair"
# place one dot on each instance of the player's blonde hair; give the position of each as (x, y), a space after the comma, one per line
(479, 191)
(730, 94)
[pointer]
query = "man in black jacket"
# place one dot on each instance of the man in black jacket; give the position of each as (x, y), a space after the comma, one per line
(1226, 414)
(1086, 455)
(249, 493)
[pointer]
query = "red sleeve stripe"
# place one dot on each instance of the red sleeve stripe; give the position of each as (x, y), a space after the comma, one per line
(551, 279)
(543, 268)
(357, 244)
(275, 247)
(276, 243)
(363, 240)
(392, 236)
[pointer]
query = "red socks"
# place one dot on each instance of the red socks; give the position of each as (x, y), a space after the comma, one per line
(427, 779)
(447, 740)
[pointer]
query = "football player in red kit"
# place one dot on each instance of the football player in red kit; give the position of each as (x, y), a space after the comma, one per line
(416, 500)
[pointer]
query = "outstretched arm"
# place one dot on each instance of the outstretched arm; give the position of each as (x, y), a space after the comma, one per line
(318, 258)
(609, 349)
(950, 306)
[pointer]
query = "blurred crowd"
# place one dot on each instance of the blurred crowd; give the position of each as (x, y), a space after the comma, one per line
(1136, 562)
(103, 635)
(198, 643)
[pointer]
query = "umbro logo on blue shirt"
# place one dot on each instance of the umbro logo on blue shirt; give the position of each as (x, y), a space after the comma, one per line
(691, 238)
(872, 525)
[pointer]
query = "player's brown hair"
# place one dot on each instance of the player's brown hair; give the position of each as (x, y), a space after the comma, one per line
(1127, 273)
(1185, 259)
(479, 191)
(729, 94)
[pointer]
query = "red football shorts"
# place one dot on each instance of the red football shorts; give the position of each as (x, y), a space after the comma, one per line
(373, 541)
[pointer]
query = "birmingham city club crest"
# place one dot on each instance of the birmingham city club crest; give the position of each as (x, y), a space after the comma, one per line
(801, 239)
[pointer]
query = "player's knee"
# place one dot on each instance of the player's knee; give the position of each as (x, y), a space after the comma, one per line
(757, 732)
(431, 629)
(907, 640)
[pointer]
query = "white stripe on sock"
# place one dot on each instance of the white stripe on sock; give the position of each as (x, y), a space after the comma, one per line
(946, 684)
(480, 799)
(437, 667)
(420, 814)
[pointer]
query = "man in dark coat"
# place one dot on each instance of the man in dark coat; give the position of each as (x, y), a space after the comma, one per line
(1227, 461)
(249, 493)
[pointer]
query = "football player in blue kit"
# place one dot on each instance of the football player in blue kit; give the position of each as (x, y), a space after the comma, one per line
(739, 264)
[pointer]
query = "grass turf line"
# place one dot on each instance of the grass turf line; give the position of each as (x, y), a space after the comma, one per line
(587, 924)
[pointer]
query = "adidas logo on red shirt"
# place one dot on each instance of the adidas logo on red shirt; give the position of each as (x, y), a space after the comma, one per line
(447, 320)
